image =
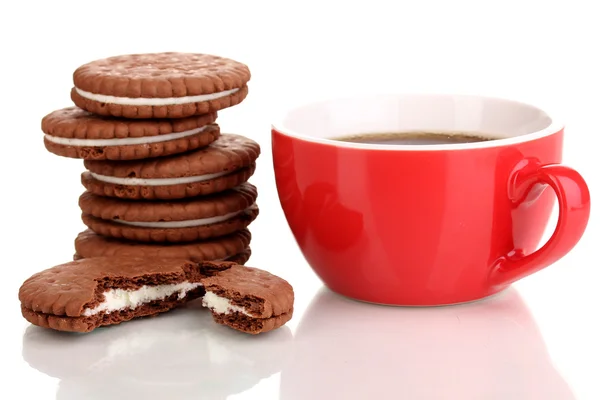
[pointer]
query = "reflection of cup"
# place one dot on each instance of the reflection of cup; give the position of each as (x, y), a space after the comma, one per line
(427, 224)
(181, 355)
(488, 350)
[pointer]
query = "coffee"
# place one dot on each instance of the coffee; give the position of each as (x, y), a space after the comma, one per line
(417, 138)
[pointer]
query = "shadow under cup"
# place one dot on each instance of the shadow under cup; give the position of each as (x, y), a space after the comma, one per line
(425, 225)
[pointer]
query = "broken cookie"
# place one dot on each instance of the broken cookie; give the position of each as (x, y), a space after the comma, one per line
(248, 299)
(82, 295)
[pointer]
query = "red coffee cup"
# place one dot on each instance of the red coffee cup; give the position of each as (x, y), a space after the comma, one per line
(423, 225)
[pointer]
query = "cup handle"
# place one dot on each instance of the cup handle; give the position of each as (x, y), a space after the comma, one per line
(574, 211)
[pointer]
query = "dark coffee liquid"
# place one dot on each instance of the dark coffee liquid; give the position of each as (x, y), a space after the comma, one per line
(417, 138)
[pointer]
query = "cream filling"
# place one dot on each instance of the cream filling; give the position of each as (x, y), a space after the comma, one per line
(157, 181)
(120, 299)
(222, 305)
(181, 224)
(154, 101)
(124, 141)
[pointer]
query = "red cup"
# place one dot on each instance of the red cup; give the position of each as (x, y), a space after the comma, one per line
(424, 225)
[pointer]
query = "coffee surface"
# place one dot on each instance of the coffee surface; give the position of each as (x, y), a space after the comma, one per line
(417, 138)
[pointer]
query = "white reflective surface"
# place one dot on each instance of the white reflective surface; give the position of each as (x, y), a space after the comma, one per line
(490, 349)
(538, 341)
(485, 350)
(180, 355)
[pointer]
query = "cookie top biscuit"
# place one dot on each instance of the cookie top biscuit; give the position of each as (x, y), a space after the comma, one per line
(161, 75)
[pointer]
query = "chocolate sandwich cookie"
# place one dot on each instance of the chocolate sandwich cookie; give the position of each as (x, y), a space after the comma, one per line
(233, 247)
(227, 162)
(75, 133)
(183, 220)
(248, 299)
(80, 296)
(159, 85)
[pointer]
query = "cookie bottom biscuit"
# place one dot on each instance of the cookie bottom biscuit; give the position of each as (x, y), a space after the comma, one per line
(158, 111)
(254, 326)
(89, 323)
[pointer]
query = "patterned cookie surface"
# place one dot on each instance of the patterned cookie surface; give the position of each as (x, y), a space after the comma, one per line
(249, 299)
(79, 296)
(89, 244)
(184, 220)
(227, 162)
(160, 85)
(75, 133)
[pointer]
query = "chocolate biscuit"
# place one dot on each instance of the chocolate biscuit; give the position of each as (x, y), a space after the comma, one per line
(159, 85)
(248, 299)
(225, 163)
(75, 133)
(183, 220)
(80, 296)
(89, 244)
(240, 258)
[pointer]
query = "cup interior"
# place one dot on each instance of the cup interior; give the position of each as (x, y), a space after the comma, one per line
(330, 119)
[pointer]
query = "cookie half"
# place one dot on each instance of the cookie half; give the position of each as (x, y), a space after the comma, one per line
(248, 299)
(159, 85)
(75, 133)
(89, 244)
(185, 220)
(80, 296)
(226, 163)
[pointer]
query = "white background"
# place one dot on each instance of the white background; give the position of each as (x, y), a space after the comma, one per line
(535, 51)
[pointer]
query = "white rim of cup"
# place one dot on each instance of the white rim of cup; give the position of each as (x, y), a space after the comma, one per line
(555, 126)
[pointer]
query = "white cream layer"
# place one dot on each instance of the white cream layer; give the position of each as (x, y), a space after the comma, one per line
(119, 299)
(154, 101)
(222, 305)
(124, 141)
(181, 224)
(157, 181)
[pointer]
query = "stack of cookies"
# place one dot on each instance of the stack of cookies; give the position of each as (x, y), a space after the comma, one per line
(161, 179)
